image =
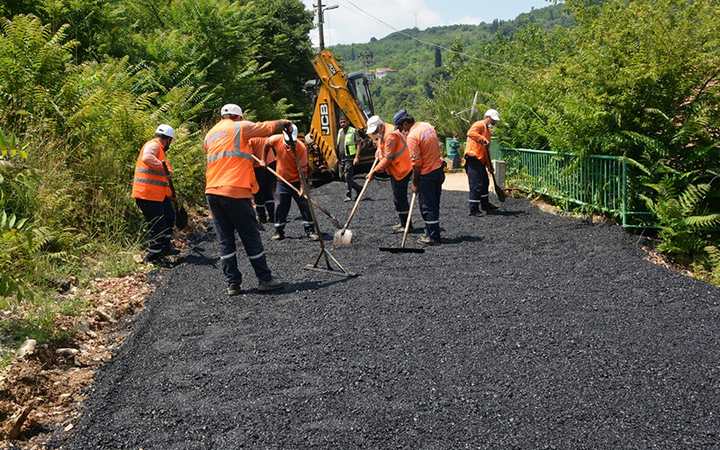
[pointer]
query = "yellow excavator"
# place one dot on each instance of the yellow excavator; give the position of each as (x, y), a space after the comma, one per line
(335, 95)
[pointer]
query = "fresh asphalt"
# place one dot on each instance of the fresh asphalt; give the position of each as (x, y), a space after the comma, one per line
(524, 330)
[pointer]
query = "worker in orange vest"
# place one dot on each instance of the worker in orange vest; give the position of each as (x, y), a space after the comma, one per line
(392, 150)
(288, 169)
(478, 163)
(428, 171)
(230, 185)
(265, 197)
(152, 193)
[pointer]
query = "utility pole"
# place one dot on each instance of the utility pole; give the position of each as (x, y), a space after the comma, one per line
(321, 20)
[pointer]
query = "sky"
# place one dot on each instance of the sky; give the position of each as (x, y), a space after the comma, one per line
(347, 25)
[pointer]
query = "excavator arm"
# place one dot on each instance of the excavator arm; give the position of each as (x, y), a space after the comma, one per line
(334, 98)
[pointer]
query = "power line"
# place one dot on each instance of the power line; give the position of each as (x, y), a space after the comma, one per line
(428, 43)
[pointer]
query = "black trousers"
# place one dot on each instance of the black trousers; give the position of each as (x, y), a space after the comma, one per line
(285, 195)
(265, 197)
(160, 217)
(231, 215)
(429, 191)
(479, 183)
(349, 173)
(400, 197)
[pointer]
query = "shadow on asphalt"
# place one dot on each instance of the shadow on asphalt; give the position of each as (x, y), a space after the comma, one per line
(509, 213)
(461, 239)
(292, 288)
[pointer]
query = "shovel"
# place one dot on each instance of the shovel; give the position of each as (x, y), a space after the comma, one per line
(498, 190)
(181, 215)
(402, 248)
(343, 237)
(332, 218)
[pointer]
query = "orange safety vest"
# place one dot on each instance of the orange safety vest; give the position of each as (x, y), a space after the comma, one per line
(394, 147)
(229, 160)
(286, 164)
(424, 147)
(150, 183)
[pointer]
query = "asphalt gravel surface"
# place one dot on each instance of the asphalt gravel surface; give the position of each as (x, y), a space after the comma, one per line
(523, 330)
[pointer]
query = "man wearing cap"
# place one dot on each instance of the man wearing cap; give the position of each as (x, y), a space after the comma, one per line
(477, 163)
(392, 150)
(288, 169)
(347, 149)
(152, 193)
(428, 174)
(229, 188)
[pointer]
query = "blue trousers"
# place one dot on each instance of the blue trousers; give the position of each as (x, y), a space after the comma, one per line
(265, 197)
(429, 190)
(231, 215)
(285, 195)
(160, 217)
(479, 183)
(400, 197)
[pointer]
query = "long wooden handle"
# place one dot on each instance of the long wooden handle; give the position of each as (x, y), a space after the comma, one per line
(407, 222)
(290, 185)
(357, 200)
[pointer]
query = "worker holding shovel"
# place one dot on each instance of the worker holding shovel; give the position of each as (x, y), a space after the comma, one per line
(288, 169)
(230, 185)
(152, 193)
(478, 164)
(394, 158)
(428, 174)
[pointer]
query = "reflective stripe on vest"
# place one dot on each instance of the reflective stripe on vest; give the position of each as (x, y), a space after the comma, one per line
(228, 154)
(150, 183)
(395, 155)
(229, 165)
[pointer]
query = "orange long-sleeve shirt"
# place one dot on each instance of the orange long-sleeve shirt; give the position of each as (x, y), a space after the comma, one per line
(394, 154)
(478, 142)
(286, 166)
(424, 146)
(257, 145)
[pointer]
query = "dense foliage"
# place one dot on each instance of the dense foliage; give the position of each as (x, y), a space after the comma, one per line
(410, 53)
(84, 83)
(638, 79)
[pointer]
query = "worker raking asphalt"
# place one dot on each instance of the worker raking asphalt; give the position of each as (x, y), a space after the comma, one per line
(523, 330)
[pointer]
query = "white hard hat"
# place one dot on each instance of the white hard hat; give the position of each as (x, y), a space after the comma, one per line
(294, 135)
(165, 130)
(494, 115)
(231, 108)
(373, 124)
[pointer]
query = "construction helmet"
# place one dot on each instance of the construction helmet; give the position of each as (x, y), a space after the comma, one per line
(231, 109)
(165, 130)
(373, 124)
(494, 115)
(400, 117)
(293, 135)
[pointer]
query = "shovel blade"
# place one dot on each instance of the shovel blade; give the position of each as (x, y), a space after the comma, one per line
(342, 239)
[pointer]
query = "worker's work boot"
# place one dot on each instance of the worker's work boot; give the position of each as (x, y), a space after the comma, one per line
(426, 240)
(279, 235)
(273, 284)
(488, 207)
(348, 198)
(233, 289)
(313, 236)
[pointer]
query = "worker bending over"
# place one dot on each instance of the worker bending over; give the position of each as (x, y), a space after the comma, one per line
(288, 169)
(395, 160)
(152, 193)
(428, 174)
(347, 149)
(265, 196)
(478, 163)
(230, 185)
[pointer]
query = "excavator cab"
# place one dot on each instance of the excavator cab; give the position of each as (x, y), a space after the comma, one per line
(360, 88)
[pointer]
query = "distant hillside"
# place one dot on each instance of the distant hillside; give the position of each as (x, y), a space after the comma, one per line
(416, 62)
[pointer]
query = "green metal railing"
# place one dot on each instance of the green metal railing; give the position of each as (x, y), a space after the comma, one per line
(602, 183)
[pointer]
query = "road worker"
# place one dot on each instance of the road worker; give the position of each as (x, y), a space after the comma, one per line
(230, 185)
(428, 172)
(152, 193)
(287, 168)
(347, 150)
(392, 151)
(265, 196)
(478, 164)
